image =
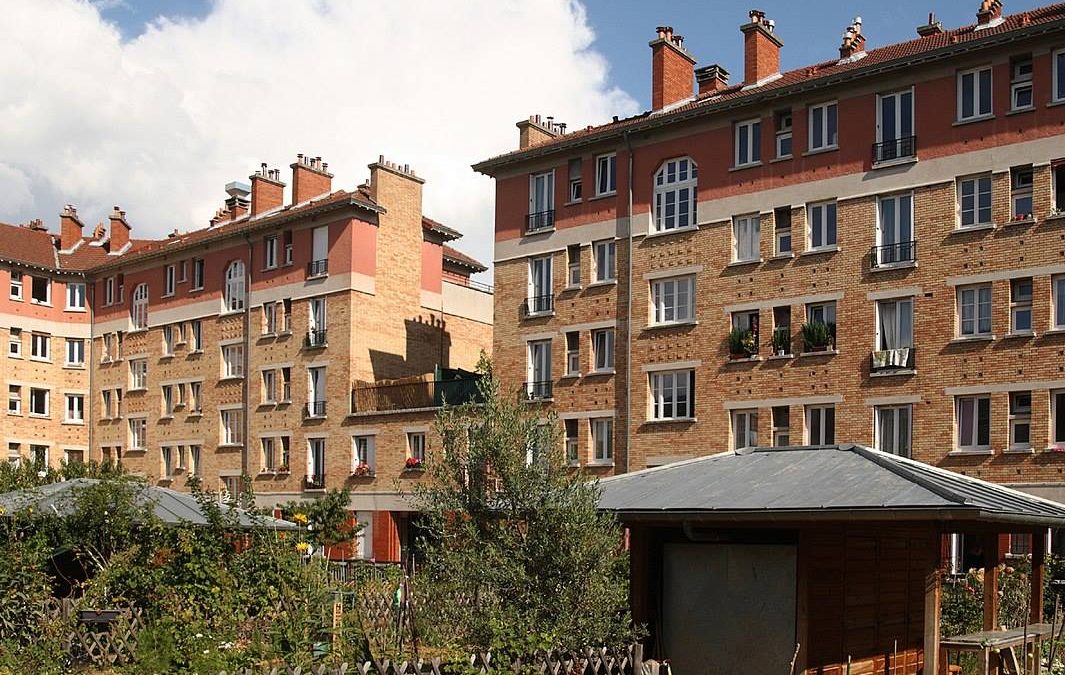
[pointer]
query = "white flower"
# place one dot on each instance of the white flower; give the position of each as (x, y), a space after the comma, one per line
(199, 635)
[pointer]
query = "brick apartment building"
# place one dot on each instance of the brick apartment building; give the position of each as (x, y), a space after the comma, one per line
(869, 249)
(305, 344)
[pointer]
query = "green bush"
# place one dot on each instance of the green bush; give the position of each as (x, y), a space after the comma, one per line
(741, 341)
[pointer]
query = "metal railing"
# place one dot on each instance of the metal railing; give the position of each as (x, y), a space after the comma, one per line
(415, 394)
(316, 337)
(536, 222)
(538, 391)
(893, 254)
(902, 358)
(317, 268)
(538, 304)
(898, 148)
(315, 408)
(314, 481)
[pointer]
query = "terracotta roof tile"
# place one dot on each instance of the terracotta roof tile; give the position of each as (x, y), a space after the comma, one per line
(24, 245)
(456, 256)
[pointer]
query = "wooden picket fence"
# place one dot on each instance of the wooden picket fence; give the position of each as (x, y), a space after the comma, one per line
(102, 637)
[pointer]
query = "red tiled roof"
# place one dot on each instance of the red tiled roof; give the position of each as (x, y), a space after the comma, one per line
(817, 75)
(460, 258)
(431, 225)
(27, 246)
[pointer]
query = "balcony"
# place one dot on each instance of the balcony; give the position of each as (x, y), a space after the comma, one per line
(893, 361)
(539, 222)
(896, 149)
(538, 391)
(315, 338)
(314, 409)
(893, 255)
(451, 386)
(318, 268)
(538, 305)
(314, 481)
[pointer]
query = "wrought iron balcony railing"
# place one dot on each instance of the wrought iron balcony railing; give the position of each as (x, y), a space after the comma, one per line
(898, 148)
(899, 253)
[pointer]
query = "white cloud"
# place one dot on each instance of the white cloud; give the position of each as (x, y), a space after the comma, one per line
(159, 124)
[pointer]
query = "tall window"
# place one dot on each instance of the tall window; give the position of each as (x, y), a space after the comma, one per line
(541, 287)
(603, 440)
(974, 200)
(823, 126)
(75, 408)
(198, 272)
(138, 309)
(416, 445)
(269, 450)
(75, 295)
(1021, 199)
(894, 126)
(784, 142)
(576, 188)
(673, 300)
(541, 202)
(748, 142)
(974, 310)
(138, 433)
(39, 401)
(822, 225)
(1021, 305)
(169, 280)
(744, 429)
(1057, 410)
(603, 349)
(539, 370)
(270, 318)
(233, 360)
(195, 398)
(362, 452)
(573, 266)
(14, 399)
(973, 421)
(14, 343)
(821, 424)
(1021, 84)
(894, 230)
(1021, 420)
(15, 293)
(1059, 75)
(234, 290)
(138, 374)
(606, 174)
(1058, 286)
(781, 426)
(894, 324)
(974, 93)
(746, 235)
(40, 346)
(572, 443)
(316, 396)
(605, 254)
(196, 335)
(782, 230)
(269, 392)
(232, 427)
(316, 462)
(168, 400)
(270, 252)
(573, 353)
(75, 352)
(168, 340)
(893, 429)
(675, 194)
(673, 395)
(40, 290)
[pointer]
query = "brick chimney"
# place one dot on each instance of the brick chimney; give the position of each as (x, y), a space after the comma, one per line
(761, 49)
(933, 27)
(711, 78)
(672, 69)
(537, 130)
(69, 228)
(853, 44)
(990, 12)
(400, 236)
(237, 202)
(119, 230)
(310, 178)
(267, 190)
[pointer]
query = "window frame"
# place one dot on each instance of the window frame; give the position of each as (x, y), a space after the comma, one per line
(138, 374)
(1057, 295)
(17, 288)
(1020, 303)
(14, 340)
(977, 94)
(748, 249)
(233, 368)
(199, 274)
(1020, 81)
(231, 427)
(138, 307)
(14, 399)
(751, 147)
(669, 381)
(75, 292)
(47, 301)
(605, 272)
(233, 295)
(826, 432)
(822, 207)
(602, 440)
(417, 445)
(367, 455)
(603, 354)
(1019, 192)
(749, 418)
(40, 347)
(79, 352)
(1057, 418)
(1021, 416)
(270, 249)
(784, 133)
(609, 163)
(684, 191)
(900, 326)
(897, 428)
(976, 400)
(169, 280)
(1058, 70)
(977, 193)
(779, 431)
(573, 353)
(138, 431)
(829, 110)
(977, 306)
(659, 295)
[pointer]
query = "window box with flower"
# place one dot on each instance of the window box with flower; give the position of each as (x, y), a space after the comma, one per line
(413, 464)
(362, 470)
(742, 344)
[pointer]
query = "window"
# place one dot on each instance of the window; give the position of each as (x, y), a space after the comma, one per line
(270, 252)
(230, 491)
(541, 286)
(195, 398)
(169, 280)
(894, 230)
(576, 190)
(782, 330)
(782, 230)
(1020, 420)
(974, 200)
(138, 374)
(606, 174)
(573, 353)
(40, 346)
(316, 395)
(673, 300)
(1059, 75)
(286, 242)
(195, 468)
(747, 322)
(16, 285)
(605, 254)
(894, 325)
(14, 343)
(269, 386)
(416, 445)
(167, 455)
(71, 456)
(1021, 204)
(39, 455)
(894, 126)
(14, 399)
(316, 321)
(675, 195)
(823, 122)
(109, 291)
(286, 385)
(541, 202)
(573, 266)
(168, 400)
(1020, 544)
(822, 220)
(973, 421)
(233, 360)
(748, 143)
(168, 340)
(138, 309)
(75, 295)
(893, 429)
(1058, 288)
(821, 312)
(974, 310)
(14, 453)
(1057, 412)
(232, 427)
(362, 452)
(744, 429)
(75, 352)
(269, 449)
(538, 385)
(1021, 305)
(41, 291)
(198, 268)
(105, 404)
(196, 335)
(746, 234)
(286, 315)
(603, 349)
(974, 93)
(138, 433)
(1021, 85)
(184, 272)
(75, 408)
(234, 290)
(673, 395)
(781, 426)
(783, 125)
(603, 440)
(821, 424)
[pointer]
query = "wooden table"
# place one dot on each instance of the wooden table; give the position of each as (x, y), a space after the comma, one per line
(994, 640)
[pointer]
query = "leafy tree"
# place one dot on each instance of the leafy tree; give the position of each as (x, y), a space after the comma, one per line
(518, 556)
(328, 519)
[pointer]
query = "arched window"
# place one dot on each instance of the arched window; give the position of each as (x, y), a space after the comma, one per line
(138, 309)
(234, 295)
(675, 196)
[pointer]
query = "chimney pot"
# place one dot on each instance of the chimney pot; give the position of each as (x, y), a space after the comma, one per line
(990, 10)
(933, 27)
(308, 179)
(672, 69)
(761, 49)
(711, 78)
(120, 229)
(70, 228)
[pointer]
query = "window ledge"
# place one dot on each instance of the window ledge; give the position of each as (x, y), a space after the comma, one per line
(136, 331)
(166, 357)
(821, 151)
(1055, 448)
(568, 289)
(1060, 215)
(1019, 451)
(601, 464)
(572, 202)
(40, 416)
(542, 230)
(891, 373)
(821, 251)
(972, 338)
(1060, 330)
(314, 277)
(741, 167)
(230, 312)
(782, 158)
(570, 376)
(671, 324)
(742, 263)
(163, 418)
(898, 161)
(75, 423)
(231, 378)
(604, 282)
(80, 310)
(195, 352)
(959, 229)
(963, 452)
(194, 415)
(779, 357)
(604, 371)
(546, 399)
(783, 256)
(1020, 334)
(74, 366)
(605, 195)
(267, 335)
(14, 356)
(11, 413)
(974, 120)
(38, 359)
(673, 420)
(538, 315)
(675, 230)
(230, 445)
(1054, 104)
(827, 352)
(1022, 221)
(909, 264)
(1019, 111)
(745, 359)
(136, 390)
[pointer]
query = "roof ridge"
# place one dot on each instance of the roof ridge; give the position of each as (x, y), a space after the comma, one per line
(892, 463)
(671, 465)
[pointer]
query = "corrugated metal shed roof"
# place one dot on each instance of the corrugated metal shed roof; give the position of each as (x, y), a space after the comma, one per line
(170, 506)
(818, 482)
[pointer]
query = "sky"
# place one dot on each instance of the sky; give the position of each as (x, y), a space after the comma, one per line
(154, 105)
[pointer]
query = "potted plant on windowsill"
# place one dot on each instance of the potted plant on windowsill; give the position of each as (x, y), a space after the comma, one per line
(361, 470)
(282, 469)
(782, 341)
(742, 344)
(817, 336)
(413, 464)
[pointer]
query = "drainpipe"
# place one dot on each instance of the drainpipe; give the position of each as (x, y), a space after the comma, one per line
(628, 322)
(245, 469)
(90, 416)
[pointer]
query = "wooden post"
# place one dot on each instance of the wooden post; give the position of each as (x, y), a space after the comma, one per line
(932, 589)
(991, 556)
(1039, 550)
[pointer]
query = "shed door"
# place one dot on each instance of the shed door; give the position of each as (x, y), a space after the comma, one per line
(728, 608)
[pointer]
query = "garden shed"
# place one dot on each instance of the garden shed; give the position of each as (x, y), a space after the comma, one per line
(746, 560)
